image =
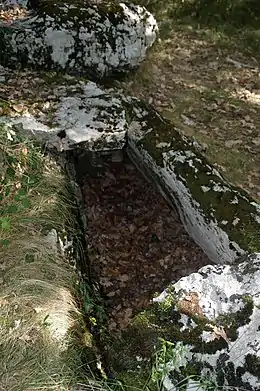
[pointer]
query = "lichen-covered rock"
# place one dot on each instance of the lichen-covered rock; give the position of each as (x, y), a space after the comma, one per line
(80, 37)
(222, 219)
(7, 4)
(84, 115)
(205, 330)
(219, 322)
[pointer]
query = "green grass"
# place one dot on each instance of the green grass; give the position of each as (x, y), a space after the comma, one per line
(41, 328)
(33, 190)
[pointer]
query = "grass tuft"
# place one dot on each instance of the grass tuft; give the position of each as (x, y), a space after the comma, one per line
(38, 314)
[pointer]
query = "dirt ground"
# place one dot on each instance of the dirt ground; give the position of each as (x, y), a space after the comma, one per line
(137, 244)
(208, 85)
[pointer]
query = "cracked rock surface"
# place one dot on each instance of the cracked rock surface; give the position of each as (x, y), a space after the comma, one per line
(77, 114)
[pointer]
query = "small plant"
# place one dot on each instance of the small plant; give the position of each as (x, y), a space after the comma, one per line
(170, 357)
(173, 359)
(92, 307)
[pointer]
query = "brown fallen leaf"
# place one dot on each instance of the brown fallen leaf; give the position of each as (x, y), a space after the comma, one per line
(111, 294)
(232, 143)
(256, 141)
(131, 228)
(106, 282)
(124, 278)
(18, 108)
(219, 332)
(3, 302)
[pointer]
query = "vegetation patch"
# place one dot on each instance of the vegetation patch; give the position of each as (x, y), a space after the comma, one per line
(42, 345)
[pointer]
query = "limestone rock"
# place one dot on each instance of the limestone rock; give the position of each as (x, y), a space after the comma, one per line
(223, 220)
(81, 37)
(219, 322)
(85, 115)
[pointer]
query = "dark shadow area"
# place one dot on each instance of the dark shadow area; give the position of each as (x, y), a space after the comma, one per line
(238, 13)
(136, 243)
(234, 21)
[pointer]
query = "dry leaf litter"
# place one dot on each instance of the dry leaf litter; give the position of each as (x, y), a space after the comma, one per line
(137, 244)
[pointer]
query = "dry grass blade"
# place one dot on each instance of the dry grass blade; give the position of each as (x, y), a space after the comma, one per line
(37, 309)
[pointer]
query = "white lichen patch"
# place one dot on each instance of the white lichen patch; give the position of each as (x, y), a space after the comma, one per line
(232, 293)
(187, 322)
(235, 221)
(163, 145)
(206, 336)
(95, 40)
(234, 201)
(180, 156)
(219, 188)
(251, 379)
(62, 44)
(184, 321)
(214, 213)
(224, 222)
(205, 189)
(207, 233)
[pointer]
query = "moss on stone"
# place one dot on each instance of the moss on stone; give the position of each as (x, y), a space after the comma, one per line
(232, 322)
(138, 340)
(233, 209)
(136, 346)
(138, 379)
(252, 364)
(56, 8)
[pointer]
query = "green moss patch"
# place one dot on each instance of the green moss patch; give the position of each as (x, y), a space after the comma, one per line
(232, 208)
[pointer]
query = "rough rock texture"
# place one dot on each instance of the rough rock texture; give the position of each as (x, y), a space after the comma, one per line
(219, 319)
(84, 115)
(11, 3)
(222, 219)
(80, 37)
